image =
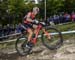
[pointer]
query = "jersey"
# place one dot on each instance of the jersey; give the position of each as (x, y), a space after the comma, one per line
(32, 16)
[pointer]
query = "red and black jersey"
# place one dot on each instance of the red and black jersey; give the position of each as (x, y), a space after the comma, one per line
(32, 16)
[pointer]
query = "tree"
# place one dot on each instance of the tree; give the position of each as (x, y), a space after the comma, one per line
(13, 11)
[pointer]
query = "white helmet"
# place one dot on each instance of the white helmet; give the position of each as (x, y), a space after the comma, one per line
(36, 9)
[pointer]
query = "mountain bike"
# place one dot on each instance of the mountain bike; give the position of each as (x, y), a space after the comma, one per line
(55, 41)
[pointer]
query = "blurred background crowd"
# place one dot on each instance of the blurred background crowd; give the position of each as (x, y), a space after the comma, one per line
(62, 18)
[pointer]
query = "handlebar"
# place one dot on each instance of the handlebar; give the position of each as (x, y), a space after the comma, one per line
(37, 23)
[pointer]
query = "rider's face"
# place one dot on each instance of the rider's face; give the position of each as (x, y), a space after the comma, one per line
(35, 12)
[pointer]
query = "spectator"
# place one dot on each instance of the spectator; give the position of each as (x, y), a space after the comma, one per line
(61, 18)
(56, 19)
(12, 29)
(50, 20)
(8, 29)
(5, 30)
(18, 28)
(67, 17)
(73, 16)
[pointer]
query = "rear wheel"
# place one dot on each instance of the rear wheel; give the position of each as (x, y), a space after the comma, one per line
(20, 46)
(56, 38)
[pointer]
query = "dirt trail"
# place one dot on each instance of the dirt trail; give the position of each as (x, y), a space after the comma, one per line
(66, 52)
(39, 53)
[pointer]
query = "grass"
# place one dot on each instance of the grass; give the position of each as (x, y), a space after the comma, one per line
(66, 27)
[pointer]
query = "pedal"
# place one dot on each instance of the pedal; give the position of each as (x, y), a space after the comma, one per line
(27, 46)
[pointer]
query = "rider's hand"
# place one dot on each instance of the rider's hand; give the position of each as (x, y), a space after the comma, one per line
(36, 21)
(43, 23)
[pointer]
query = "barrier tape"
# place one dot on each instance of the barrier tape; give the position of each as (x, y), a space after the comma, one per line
(66, 32)
(10, 35)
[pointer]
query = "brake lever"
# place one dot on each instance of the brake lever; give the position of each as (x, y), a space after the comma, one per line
(43, 23)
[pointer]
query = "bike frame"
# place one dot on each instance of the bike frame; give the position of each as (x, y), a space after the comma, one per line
(34, 40)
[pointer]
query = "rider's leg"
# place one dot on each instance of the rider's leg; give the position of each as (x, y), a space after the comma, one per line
(35, 34)
(29, 34)
(36, 30)
(29, 43)
(47, 34)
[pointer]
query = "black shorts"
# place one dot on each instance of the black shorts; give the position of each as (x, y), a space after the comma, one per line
(26, 26)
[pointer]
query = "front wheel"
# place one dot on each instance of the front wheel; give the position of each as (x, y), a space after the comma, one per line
(56, 39)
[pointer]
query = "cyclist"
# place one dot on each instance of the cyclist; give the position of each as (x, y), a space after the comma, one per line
(28, 20)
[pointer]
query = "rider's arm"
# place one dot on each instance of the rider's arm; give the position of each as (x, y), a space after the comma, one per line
(28, 17)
